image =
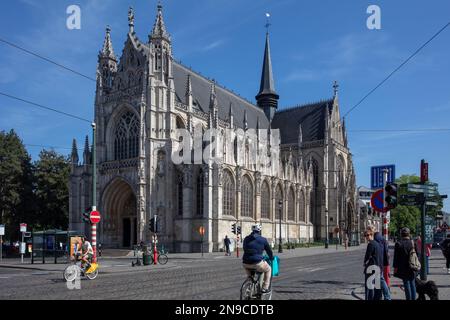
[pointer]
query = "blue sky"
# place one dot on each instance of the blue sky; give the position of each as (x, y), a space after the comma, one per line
(313, 43)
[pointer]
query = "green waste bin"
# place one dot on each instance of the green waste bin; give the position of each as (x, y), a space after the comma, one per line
(146, 256)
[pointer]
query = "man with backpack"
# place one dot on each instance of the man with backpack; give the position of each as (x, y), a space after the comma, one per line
(445, 246)
(406, 263)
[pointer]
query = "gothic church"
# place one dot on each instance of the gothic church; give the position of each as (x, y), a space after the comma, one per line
(145, 95)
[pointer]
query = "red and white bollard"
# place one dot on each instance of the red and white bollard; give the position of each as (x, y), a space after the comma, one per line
(94, 241)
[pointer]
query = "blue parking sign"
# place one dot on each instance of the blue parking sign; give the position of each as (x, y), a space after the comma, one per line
(376, 176)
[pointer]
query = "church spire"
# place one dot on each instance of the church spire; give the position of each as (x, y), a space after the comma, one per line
(159, 29)
(267, 98)
(74, 155)
(107, 50)
(86, 152)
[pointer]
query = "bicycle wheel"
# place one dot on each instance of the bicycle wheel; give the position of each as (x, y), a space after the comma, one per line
(162, 259)
(247, 290)
(70, 273)
(92, 275)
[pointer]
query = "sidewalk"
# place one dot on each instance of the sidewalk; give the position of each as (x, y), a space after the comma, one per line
(438, 274)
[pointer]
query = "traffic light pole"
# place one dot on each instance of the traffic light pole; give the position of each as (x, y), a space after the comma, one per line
(385, 225)
(94, 191)
(423, 269)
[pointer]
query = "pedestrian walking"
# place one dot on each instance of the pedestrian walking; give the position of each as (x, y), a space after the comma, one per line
(227, 242)
(384, 277)
(405, 259)
(373, 257)
(445, 247)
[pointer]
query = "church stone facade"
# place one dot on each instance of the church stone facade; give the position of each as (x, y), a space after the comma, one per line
(144, 96)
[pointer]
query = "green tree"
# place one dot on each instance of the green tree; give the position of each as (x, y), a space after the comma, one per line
(16, 184)
(52, 192)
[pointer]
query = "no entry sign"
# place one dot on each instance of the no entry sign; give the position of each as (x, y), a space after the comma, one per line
(377, 202)
(95, 217)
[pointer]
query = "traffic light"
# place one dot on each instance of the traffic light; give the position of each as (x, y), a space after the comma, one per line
(233, 228)
(391, 195)
(154, 224)
(238, 229)
(87, 215)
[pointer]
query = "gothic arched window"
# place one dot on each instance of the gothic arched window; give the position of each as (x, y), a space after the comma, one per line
(229, 193)
(291, 205)
(265, 201)
(278, 200)
(301, 207)
(247, 198)
(200, 196)
(126, 137)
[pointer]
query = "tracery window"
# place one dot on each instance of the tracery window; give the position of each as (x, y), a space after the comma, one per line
(265, 201)
(229, 194)
(291, 205)
(126, 137)
(301, 207)
(200, 195)
(278, 199)
(247, 198)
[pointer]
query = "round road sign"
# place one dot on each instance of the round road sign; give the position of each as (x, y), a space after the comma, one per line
(377, 202)
(95, 217)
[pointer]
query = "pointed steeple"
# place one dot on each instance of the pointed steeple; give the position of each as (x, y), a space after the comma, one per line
(245, 120)
(159, 28)
(86, 152)
(131, 19)
(213, 97)
(267, 83)
(231, 116)
(267, 98)
(300, 134)
(74, 155)
(188, 94)
(335, 89)
(107, 50)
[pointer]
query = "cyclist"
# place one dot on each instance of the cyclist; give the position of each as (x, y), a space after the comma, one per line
(254, 246)
(86, 253)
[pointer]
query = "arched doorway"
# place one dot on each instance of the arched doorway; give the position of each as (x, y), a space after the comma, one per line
(120, 228)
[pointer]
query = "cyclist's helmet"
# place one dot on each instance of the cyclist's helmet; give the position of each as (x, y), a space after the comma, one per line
(257, 228)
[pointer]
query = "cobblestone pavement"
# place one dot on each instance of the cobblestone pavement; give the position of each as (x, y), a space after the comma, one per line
(334, 275)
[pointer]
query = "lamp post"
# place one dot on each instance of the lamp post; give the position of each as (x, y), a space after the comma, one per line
(326, 226)
(280, 206)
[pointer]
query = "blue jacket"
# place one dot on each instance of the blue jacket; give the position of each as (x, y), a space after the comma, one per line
(254, 246)
(373, 255)
(384, 248)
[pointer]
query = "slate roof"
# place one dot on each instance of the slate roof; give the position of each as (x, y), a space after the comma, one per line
(310, 116)
(201, 89)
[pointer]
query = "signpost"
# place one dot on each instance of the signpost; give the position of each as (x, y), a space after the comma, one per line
(377, 176)
(23, 229)
(429, 223)
(95, 218)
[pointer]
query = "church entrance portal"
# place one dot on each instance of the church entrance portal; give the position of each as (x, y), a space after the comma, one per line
(120, 223)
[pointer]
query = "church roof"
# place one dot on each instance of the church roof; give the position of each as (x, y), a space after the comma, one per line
(201, 92)
(310, 116)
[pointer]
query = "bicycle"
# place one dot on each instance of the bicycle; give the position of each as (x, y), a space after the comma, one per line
(162, 258)
(75, 270)
(252, 286)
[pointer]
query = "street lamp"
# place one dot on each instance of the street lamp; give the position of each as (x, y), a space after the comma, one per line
(326, 226)
(280, 206)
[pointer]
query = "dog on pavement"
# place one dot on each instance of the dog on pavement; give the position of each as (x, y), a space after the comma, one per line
(427, 288)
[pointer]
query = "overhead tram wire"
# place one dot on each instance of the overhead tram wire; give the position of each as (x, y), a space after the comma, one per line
(50, 147)
(397, 69)
(46, 59)
(45, 107)
(400, 130)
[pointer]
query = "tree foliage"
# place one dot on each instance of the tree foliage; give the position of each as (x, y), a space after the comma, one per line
(36, 194)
